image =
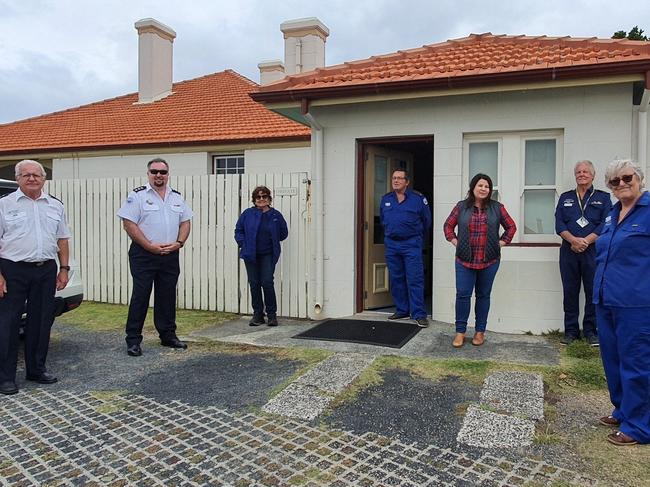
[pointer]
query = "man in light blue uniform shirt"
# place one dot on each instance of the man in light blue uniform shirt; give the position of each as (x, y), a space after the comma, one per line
(406, 218)
(579, 218)
(157, 219)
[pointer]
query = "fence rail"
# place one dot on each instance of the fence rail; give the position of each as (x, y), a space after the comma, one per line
(212, 276)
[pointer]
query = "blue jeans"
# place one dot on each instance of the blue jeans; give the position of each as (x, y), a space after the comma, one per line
(260, 279)
(468, 280)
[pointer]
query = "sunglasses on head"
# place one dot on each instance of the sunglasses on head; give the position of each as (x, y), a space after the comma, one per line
(261, 196)
(627, 179)
(158, 171)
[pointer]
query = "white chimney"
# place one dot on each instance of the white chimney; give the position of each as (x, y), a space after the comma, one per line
(304, 44)
(271, 71)
(155, 49)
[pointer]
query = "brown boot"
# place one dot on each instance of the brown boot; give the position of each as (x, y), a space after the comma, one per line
(479, 338)
(459, 340)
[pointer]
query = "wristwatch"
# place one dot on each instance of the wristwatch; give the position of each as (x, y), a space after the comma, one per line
(179, 242)
(64, 267)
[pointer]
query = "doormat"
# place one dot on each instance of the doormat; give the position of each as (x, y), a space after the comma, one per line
(381, 333)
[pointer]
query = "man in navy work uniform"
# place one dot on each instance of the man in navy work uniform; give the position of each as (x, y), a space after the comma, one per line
(579, 218)
(33, 233)
(406, 219)
(157, 219)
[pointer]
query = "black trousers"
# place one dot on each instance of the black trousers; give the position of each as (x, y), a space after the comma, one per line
(161, 272)
(35, 284)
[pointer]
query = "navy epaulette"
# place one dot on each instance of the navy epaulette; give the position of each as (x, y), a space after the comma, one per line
(174, 191)
(139, 188)
(388, 193)
(416, 192)
(55, 198)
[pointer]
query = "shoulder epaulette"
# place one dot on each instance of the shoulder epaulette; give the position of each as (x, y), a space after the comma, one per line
(55, 198)
(602, 191)
(390, 192)
(416, 192)
(174, 191)
(139, 188)
(3, 195)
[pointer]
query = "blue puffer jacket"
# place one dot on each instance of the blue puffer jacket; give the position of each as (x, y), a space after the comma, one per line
(246, 233)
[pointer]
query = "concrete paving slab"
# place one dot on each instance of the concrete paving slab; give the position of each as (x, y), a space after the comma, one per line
(432, 342)
(516, 393)
(336, 372)
(299, 401)
(486, 429)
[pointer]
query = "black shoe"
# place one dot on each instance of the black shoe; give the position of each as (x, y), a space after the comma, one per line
(422, 322)
(592, 340)
(568, 340)
(257, 320)
(173, 343)
(44, 378)
(134, 350)
(8, 388)
(273, 320)
(398, 316)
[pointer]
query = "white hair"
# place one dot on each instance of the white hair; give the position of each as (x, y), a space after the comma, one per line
(615, 167)
(587, 163)
(25, 162)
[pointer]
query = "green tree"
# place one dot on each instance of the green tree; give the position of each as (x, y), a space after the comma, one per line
(635, 34)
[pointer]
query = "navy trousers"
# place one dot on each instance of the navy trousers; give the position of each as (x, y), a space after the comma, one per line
(35, 284)
(577, 269)
(160, 272)
(406, 269)
(625, 350)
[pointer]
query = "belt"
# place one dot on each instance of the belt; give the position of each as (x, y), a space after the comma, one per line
(400, 238)
(34, 264)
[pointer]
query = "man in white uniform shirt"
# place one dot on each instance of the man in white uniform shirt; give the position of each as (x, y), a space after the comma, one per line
(33, 232)
(157, 219)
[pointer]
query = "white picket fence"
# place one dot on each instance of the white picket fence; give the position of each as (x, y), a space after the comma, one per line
(212, 276)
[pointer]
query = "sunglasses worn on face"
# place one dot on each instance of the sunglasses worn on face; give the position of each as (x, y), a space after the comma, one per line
(627, 179)
(262, 197)
(158, 171)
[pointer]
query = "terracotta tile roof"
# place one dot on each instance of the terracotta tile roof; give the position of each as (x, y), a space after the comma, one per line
(477, 56)
(215, 108)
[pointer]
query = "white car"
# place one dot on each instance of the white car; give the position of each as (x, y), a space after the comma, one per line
(71, 297)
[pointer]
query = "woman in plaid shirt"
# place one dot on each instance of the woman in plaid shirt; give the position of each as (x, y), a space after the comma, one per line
(478, 251)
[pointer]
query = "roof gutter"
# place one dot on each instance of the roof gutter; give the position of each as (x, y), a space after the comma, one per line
(316, 232)
(453, 82)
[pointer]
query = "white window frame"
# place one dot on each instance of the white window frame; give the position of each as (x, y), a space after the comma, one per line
(511, 176)
(240, 169)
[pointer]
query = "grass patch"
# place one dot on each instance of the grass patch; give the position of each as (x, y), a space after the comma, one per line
(95, 316)
(581, 349)
(555, 334)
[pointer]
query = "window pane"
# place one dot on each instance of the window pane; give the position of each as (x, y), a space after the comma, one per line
(539, 208)
(220, 163)
(379, 189)
(540, 162)
(483, 158)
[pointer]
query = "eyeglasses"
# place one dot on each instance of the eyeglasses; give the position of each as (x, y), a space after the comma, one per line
(397, 178)
(158, 171)
(29, 176)
(627, 179)
(261, 196)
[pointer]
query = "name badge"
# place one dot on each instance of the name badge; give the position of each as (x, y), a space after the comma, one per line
(582, 221)
(568, 203)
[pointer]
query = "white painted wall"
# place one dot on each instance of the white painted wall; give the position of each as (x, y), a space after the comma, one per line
(261, 161)
(597, 125)
(180, 164)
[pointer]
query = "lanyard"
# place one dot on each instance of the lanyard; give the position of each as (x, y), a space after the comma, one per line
(582, 208)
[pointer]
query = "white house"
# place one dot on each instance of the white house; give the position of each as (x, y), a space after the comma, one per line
(522, 109)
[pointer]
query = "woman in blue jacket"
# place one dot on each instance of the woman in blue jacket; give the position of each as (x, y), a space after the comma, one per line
(258, 233)
(622, 299)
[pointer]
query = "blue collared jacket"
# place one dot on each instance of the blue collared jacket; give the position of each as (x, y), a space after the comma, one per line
(597, 205)
(246, 233)
(623, 258)
(410, 218)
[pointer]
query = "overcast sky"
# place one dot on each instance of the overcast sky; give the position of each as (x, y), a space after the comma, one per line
(57, 54)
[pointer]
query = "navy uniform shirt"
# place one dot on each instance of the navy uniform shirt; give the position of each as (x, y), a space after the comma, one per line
(410, 218)
(158, 219)
(596, 205)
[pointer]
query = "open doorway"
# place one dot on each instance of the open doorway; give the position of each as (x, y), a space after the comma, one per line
(377, 159)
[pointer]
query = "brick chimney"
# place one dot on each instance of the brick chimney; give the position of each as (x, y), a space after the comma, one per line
(155, 53)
